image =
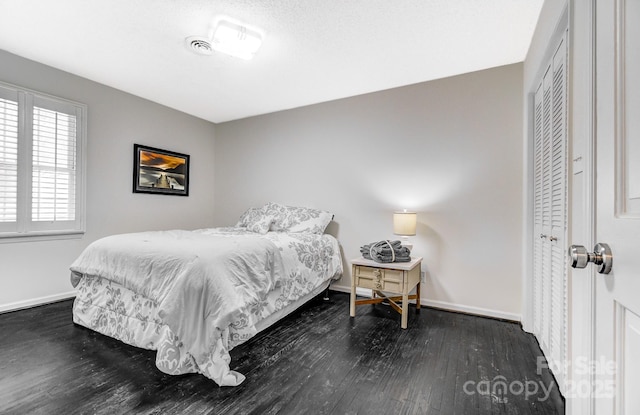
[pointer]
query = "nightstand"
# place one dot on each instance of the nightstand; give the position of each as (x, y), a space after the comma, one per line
(394, 277)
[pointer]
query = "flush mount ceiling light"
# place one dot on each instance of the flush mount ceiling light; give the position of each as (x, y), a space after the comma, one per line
(236, 40)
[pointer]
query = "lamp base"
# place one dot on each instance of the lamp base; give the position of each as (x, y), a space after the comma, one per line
(404, 241)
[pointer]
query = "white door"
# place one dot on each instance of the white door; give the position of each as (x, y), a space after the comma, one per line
(616, 386)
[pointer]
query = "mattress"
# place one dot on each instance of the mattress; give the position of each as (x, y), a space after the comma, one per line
(194, 295)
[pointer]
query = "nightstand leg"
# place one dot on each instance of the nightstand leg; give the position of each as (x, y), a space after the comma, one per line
(418, 295)
(352, 300)
(405, 306)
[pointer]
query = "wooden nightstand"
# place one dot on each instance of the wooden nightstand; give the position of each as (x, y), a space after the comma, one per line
(394, 277)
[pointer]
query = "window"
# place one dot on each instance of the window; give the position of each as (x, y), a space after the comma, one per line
(41, 164)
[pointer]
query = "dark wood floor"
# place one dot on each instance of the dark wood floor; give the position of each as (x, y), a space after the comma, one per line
(317, 361)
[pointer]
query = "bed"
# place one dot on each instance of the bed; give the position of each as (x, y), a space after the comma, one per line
(194, 295)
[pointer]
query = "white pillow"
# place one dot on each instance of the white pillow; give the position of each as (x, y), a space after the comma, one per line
(249, 216)
(260, 224)
(297, 219)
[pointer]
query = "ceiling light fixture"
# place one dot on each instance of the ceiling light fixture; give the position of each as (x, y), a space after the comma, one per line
(236, 40)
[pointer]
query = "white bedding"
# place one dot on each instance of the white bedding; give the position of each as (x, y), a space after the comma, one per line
(208, 289)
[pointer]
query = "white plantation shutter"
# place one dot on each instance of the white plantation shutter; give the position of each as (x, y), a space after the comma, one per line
(550, 211)
(8, 159)
(54, 165)
(40, 164)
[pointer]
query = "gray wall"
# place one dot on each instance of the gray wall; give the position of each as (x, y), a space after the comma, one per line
(449, 149)
(36, 271)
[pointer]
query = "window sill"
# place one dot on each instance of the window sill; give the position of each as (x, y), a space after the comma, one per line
(40, 236)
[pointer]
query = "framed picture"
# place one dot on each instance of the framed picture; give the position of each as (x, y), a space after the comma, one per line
(160, 171)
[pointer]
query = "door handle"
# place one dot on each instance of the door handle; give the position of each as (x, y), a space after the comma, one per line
(601, 256)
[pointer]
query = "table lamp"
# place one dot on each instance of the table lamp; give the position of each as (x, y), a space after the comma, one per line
(404, 224)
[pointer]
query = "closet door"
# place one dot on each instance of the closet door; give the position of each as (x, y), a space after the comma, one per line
(558, 210)
(550, 211)
(538, 232)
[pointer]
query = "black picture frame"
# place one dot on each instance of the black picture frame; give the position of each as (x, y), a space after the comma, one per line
(160, 171)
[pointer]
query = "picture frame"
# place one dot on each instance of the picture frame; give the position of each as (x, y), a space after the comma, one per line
(160, 171)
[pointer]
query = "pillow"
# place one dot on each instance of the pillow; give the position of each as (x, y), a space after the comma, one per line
(297, 219)
(260, 224)
(249, 216)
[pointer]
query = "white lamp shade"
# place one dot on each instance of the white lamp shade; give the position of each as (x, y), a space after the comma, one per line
(404, 223)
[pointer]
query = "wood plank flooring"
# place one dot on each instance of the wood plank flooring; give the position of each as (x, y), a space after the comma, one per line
(316, 361)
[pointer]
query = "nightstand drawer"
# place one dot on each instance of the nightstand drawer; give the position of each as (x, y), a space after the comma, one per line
(379, 279)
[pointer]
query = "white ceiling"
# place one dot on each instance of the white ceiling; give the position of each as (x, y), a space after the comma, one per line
(314, 50)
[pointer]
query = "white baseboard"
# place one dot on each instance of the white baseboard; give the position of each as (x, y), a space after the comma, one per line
(19, 305)
(485, 312)
(479, 311)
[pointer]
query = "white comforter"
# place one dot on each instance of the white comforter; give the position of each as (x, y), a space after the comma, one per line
(209, 284)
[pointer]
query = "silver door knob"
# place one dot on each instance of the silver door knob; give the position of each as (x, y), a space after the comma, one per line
(601, 256)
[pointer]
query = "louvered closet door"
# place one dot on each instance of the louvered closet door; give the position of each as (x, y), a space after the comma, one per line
(550, 211)
(538, 232)
(558, 213)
